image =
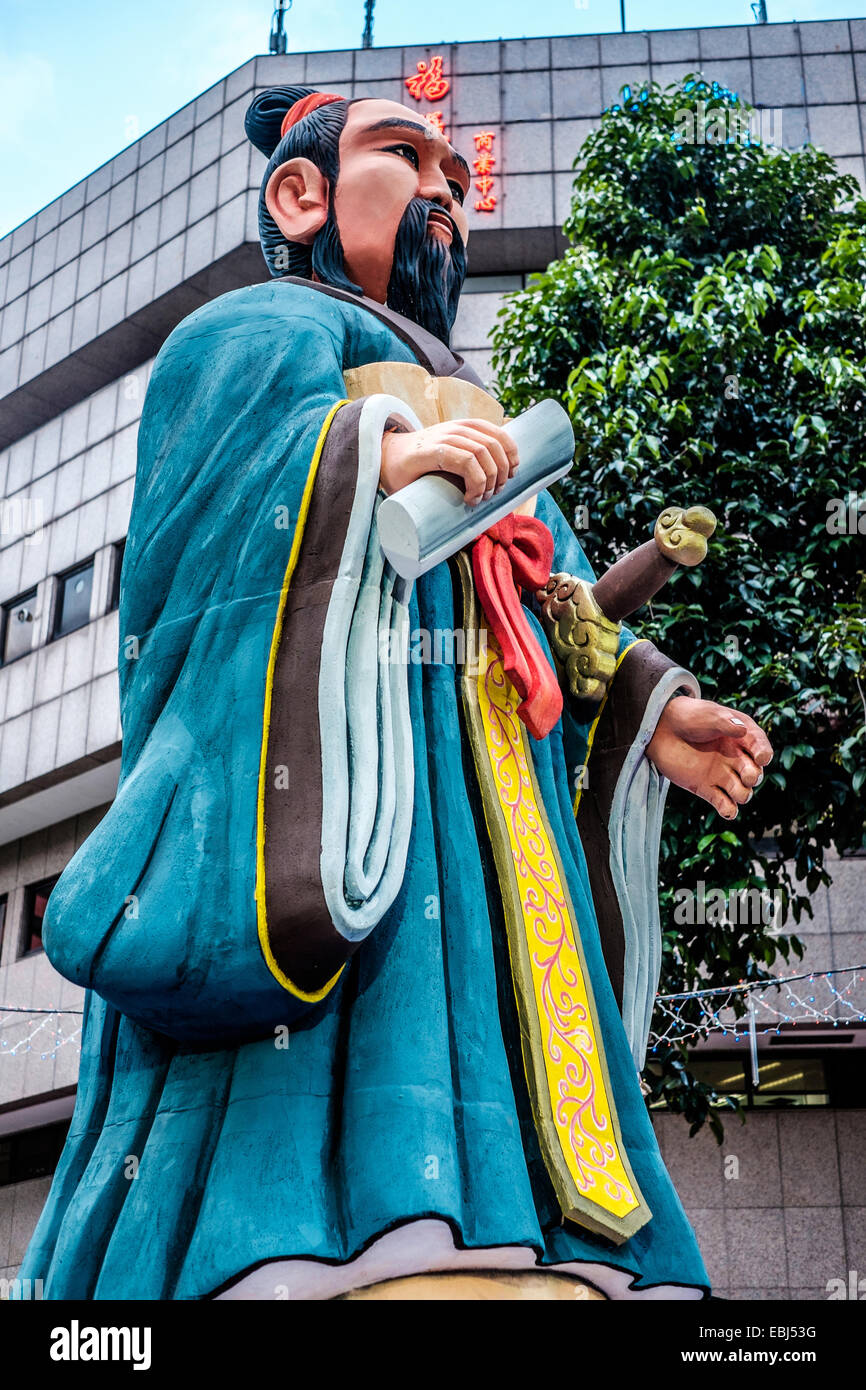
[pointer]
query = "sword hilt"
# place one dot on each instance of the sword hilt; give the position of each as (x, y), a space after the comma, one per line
(679, 538)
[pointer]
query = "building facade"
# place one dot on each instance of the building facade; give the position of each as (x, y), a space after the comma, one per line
(91, 286)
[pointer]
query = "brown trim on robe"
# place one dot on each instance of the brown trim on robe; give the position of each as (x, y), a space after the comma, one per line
(306, 945)
(639, 672)
(431, 352)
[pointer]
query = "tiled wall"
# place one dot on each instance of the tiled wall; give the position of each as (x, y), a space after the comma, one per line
(74, 476)
(476, 317)
(835, 936)
(788, 1215)
(154, 216)
(20, 1207)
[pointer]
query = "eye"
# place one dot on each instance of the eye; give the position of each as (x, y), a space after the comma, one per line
(457, 190)
(408, 151)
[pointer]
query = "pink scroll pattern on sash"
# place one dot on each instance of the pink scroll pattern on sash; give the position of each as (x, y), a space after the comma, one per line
(578, 1096)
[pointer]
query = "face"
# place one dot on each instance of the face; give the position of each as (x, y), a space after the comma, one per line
(388, 156)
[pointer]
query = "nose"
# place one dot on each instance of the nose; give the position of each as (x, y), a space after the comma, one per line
(435, 188)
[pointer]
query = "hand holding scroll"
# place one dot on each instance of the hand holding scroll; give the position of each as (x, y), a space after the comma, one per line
(481, 455)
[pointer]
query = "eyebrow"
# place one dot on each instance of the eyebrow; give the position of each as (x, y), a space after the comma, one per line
(398, 123)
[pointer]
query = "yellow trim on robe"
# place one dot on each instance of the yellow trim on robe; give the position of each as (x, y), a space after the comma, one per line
(261, 907)
(591, 735)
(562, 1048)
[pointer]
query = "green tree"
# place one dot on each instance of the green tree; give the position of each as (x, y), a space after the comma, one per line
(706, 329)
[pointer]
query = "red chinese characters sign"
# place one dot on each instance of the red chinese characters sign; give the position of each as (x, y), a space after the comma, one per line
(483, 165)
(429, 82)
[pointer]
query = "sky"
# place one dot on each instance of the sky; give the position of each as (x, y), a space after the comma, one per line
(80, 81)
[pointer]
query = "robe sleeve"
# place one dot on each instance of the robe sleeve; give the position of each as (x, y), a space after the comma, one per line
(332, 858)
(160, 911)
(619, 800)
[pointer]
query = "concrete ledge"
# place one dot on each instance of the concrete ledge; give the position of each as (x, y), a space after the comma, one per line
(123, 347)
(65, 791)
(33, 1112)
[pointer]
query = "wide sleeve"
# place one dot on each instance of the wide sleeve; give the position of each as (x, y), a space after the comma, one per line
(157, 910)
(262, 822)
(337, 773)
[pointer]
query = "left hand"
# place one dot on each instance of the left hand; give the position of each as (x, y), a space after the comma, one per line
(715, 752)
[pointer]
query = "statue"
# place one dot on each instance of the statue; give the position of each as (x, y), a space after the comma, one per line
(367, 1002)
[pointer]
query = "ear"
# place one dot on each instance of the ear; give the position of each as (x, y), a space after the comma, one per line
(297, 199)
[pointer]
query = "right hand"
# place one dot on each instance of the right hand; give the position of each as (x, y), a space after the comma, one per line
(481, 455)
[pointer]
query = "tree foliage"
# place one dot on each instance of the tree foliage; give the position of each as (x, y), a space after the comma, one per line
(706, 329)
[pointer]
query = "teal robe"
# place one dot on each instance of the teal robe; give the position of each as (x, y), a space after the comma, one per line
(199, 1148)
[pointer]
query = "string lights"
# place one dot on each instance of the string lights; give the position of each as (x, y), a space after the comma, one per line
(760, 1006)
(736, 1011)
(43, 1037)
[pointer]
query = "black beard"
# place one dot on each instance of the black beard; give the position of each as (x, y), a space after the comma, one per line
(326, 258)
(427, 274)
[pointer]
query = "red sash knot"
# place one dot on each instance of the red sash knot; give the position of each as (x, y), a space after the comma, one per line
(518, 553)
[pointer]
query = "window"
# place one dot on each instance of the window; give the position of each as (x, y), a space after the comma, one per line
(783, 1082)
(492, 284)
(117, 565)
(17, 635)
(835, 1077)
(33, 1154)
(35, 903)
(73, 599)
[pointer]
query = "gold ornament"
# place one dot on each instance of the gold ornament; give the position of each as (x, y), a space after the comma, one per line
(681, 535)
(583, 640)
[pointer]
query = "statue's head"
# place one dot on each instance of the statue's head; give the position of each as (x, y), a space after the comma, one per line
(365, 196)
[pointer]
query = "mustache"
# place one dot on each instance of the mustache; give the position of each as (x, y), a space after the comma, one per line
(416, 220)
(440, 213)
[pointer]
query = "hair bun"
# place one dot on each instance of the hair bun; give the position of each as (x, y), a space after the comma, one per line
(266, 112)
